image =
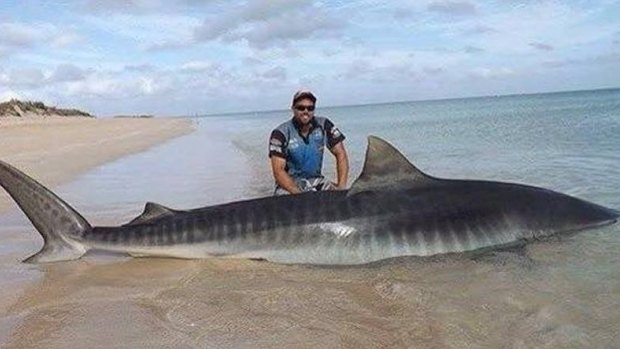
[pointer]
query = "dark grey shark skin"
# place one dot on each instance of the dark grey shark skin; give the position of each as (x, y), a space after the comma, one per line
(391, 210)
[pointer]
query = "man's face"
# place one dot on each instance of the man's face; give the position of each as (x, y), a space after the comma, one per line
(303, 111)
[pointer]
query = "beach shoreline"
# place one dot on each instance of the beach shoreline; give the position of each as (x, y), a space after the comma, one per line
(54, 150)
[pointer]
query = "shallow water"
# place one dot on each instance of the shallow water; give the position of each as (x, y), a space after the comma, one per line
(560, 293)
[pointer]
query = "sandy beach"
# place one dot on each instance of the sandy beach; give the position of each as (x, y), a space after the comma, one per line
(56, 149)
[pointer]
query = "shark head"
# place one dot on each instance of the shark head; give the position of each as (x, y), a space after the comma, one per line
(388, 170)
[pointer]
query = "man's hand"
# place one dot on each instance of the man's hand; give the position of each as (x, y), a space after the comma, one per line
(334, 186)
(338, 187)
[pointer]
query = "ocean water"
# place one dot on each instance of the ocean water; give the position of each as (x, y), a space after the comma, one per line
(554, 294)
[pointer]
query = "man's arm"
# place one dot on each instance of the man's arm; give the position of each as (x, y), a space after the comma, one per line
(277, 140)
(335, 144)
(278, 167)
(342, 165)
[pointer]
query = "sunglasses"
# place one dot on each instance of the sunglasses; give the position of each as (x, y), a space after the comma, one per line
(304, 107)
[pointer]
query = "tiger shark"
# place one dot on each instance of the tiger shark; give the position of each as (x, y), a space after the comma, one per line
(392, 209)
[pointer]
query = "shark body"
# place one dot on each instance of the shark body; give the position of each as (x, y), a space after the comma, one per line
(392, 209)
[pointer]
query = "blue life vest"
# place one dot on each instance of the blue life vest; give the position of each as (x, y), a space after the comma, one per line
(304, 155)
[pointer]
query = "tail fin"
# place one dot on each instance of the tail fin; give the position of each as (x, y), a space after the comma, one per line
(57, 222)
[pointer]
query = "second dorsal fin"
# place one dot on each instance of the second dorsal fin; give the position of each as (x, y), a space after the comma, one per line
(151, 211)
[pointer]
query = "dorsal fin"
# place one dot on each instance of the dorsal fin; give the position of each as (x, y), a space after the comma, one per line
(151, 211)
(385, 168)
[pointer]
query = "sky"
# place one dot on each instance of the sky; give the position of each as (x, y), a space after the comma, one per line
(193, 57)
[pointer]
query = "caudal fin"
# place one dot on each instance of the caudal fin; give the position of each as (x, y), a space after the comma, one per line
(57, 222)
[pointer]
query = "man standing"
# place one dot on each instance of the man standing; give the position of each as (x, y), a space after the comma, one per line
(296, 150)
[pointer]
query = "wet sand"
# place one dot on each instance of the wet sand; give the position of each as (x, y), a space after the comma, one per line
(54, 150)
(448, 302)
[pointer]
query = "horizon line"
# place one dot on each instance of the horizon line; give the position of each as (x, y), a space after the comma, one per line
(407, 101)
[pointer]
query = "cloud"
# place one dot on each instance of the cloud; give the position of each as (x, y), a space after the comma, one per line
(276, 73)
(491, 73)
(434, 70)
(472, 49)
(109, 87)
(100, 87)
(254, 11)
(168, 45)
(252, 61)
(25, 78)
(66, 39)
(453, 8)
(509, 30)
(140, 68)
(35, 78)
(198, 66)
(602, 59)
(149, 86)
(480, 29)
(19, 35)
(541, 46)
(148, 32)
(67, 72)
(4, 77)
(612, 57)
(124, 6)
(139, 7)
(397, 66)
(88, 83)
(379, 73)
(274, 23)
(259, 10)
(285, 30)
(8, 95)
(404, 14)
